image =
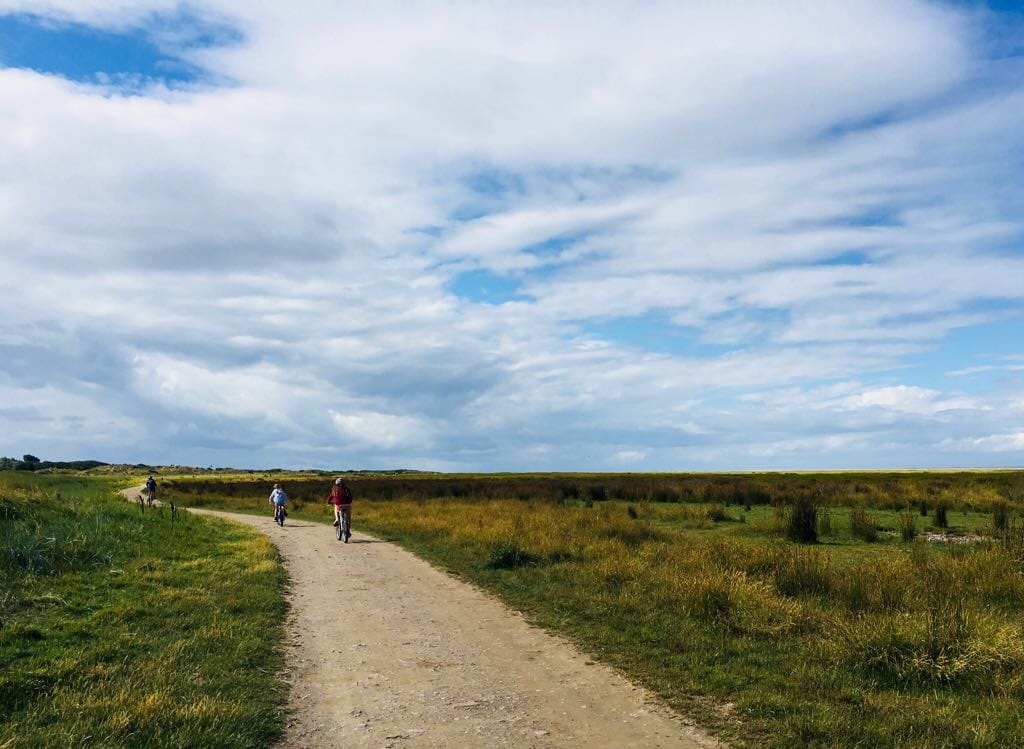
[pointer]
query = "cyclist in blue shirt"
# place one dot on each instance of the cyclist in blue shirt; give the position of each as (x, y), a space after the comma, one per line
(278, 498)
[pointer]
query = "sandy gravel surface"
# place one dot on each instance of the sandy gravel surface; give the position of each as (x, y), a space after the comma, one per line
(389, 652)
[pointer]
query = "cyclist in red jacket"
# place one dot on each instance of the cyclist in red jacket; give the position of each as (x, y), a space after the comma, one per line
(341, 498)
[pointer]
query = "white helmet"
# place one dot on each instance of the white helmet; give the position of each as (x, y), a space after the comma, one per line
(338, 481)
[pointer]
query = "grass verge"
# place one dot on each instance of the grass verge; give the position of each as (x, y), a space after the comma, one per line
(120, 629)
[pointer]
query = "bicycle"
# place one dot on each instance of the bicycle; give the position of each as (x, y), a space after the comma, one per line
(344, 527)
(279, 515)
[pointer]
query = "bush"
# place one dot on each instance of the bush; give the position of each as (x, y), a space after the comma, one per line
(803, 521)
(940, 516)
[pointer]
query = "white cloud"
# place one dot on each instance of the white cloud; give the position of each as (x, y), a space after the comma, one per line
(382, 429)
(999, 443)
(629, 456)
(262, 267)
(986, 368)
(909, 399)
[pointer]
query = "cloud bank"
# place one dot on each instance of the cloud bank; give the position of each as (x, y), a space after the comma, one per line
(507, 237)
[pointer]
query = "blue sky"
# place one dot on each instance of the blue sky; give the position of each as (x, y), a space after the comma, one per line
(149, 50)
(464, 237)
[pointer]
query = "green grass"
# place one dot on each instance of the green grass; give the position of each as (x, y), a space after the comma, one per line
(120, 629)
(765, 642)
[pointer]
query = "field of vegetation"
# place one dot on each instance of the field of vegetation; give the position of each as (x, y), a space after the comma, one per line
(854, 610)
(121, 629)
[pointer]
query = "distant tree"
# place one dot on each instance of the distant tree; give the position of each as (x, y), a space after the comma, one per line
(8, 464)
(28, 463)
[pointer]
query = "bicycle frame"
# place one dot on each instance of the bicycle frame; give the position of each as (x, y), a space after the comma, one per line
(343, 530)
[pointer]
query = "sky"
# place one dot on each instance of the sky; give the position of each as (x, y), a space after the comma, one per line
(530, 236)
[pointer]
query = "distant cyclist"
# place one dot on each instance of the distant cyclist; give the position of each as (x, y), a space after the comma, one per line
(278, 498)
(341, 498)
(151, 489)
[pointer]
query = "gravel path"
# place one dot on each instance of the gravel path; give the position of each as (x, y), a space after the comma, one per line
(389, 652)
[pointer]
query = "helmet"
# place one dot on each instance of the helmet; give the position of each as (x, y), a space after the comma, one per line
(338, 481)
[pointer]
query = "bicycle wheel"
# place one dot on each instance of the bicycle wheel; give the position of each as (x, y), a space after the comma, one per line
(345, 523)
(339, 530)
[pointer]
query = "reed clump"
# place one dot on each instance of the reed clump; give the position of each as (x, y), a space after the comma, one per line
(862, 526)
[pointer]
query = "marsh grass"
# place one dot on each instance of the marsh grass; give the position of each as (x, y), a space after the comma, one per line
(908, 526)
(802, 522)
(1000, 516)
(825, 521)
(846, 643)
(118, 629)
(862, 526)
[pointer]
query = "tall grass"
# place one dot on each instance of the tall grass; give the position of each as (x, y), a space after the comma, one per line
(802, 526)
(908, 526)
(758, 623)
(892, 491)
(862, 526)
(797, 640)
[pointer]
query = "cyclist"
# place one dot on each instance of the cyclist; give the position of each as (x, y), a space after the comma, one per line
(151, 489)
(278, 498)
(341, 498)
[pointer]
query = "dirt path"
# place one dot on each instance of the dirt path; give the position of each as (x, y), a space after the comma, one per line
(389, 652)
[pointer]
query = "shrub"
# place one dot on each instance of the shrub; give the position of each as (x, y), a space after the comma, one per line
(922, 507)
(940, 515)
(631, 511)
(802, 526)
